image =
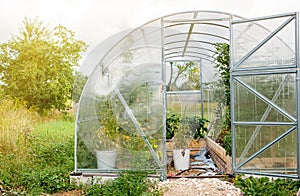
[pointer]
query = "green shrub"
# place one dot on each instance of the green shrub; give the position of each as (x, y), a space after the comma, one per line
(130, 183)
(198, 126)
(264, 186)
(46, 180)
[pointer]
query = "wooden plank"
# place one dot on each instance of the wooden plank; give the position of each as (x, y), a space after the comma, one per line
(219, 150)
(218, 154)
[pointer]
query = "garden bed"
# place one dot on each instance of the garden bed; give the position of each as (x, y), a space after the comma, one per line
(202, 147)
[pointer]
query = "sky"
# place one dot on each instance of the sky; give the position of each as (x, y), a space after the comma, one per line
(95, 20)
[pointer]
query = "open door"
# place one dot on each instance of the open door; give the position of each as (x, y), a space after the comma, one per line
(264, 95)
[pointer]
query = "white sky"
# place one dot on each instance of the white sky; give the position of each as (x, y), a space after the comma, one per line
(95, 20)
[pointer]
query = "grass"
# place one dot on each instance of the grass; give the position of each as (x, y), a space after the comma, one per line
(36, 160)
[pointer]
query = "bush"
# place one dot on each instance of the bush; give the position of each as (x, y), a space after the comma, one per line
(130, 183)
(264, 186)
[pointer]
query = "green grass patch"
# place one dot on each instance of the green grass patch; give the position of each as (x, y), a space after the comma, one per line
(45, 164)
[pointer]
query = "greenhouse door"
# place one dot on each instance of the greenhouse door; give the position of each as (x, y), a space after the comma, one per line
(265, 95)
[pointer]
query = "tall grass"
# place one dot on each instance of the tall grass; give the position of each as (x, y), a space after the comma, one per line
(16, 125)
(35, 156)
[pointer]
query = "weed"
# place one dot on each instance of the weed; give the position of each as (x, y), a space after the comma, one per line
(45, 163)
(264, 186)
(130, 183)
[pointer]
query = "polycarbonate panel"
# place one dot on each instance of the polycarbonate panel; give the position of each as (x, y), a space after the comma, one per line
(281, 157)
(121, 106)
(277, 88)
(251, 139)
(279, 50)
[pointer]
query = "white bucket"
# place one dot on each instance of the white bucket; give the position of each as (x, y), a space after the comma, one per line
(181, 159)
(106, 159)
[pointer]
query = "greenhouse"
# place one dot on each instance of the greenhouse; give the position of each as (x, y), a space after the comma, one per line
(168, 67)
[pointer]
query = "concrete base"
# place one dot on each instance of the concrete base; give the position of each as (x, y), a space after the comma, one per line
(90, 178)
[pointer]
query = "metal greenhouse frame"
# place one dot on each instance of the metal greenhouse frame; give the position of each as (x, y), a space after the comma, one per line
(139, 79)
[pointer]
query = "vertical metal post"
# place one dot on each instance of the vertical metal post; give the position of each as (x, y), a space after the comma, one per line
(297, 89)
(201, 89)
(164, 102)
(75, 142)
(231, 42)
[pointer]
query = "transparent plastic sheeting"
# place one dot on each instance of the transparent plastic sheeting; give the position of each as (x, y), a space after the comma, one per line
(121, 106)
(265, 96)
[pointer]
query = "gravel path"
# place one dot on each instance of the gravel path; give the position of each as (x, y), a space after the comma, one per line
(199, 187)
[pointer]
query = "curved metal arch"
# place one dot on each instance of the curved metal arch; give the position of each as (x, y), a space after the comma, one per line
(198, 33)
(191, 52)
(195, 47)
(203, 11)
(195, 41)
(200, 23)
(195, 51)
(197, 57)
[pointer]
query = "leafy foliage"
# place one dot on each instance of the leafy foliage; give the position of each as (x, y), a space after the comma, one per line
(37, 65)
(263, 186)
(198, 126)
(133, 183)
(223, 67)
(172, 124)
(189, 71)
(44, 164)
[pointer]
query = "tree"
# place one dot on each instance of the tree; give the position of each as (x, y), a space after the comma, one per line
(190, 71)
(37, 66)
(80, 81)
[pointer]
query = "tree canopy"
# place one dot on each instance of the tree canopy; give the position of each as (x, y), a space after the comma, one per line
(37, 66)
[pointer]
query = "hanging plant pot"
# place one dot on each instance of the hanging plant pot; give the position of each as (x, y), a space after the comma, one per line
(106, 159)
(181, 158)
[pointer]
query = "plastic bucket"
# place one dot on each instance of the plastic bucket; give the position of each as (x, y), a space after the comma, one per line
(181, 159)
